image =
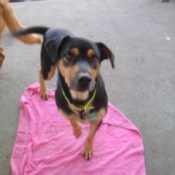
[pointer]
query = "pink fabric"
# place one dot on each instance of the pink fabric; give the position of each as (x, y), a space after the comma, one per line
(45, 144)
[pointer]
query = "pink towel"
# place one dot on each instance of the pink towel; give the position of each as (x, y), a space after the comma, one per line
(45, 144)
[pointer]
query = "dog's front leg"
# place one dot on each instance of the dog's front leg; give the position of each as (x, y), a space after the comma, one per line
(76, 128)
(94, 126)
(43, 89)
(88, 145)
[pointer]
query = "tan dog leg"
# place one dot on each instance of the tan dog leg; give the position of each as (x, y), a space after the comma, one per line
(43, 88)
(76, 128)
(88, 145)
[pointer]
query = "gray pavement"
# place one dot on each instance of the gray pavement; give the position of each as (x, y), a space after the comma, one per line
(142, 37)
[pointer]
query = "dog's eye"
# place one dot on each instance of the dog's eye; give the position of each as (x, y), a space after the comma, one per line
(69, 56)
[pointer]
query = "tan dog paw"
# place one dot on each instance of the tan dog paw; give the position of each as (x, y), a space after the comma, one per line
(44, 94)
(87, 151)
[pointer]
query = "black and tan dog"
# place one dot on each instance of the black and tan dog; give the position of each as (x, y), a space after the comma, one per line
(80, 94)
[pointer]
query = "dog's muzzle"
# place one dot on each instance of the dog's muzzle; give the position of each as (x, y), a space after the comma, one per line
(83, 81)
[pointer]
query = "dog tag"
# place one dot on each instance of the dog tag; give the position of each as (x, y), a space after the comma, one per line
(84, 114)
(93, 116)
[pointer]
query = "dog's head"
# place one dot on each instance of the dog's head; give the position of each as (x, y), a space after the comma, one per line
(79, 63)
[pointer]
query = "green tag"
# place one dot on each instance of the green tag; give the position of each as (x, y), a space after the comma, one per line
(93, 116)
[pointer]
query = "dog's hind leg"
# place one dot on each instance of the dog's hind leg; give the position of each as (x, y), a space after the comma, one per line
(76, 128)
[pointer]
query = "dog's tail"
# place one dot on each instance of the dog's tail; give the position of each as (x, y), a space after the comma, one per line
(38, 29)
(15, 25)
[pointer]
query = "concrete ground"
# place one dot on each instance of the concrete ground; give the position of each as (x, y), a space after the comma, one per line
(142, 37)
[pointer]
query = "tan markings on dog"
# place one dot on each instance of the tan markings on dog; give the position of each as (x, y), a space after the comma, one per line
(67, 72)
(75, 52)
(43, 88)
(90, 53)
(88, 145)
(100, 114)
(79, 95)
(76, 127)
(51, 73)
(95, 72)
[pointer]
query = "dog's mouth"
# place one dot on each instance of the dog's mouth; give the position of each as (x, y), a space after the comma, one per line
(79, 95)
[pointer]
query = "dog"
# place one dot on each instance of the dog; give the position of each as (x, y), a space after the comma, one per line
(80, 94)
(8, 18)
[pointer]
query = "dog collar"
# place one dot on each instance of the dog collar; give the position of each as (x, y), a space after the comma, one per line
(78, 108)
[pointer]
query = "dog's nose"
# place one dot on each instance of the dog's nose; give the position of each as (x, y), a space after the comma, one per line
(84, 79)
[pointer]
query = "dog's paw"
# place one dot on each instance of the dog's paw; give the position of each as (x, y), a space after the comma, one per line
(77, 132)
(44, 94)
(87, 151)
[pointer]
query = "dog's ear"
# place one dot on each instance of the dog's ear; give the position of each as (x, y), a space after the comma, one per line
(53, 47)
(106, 53)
